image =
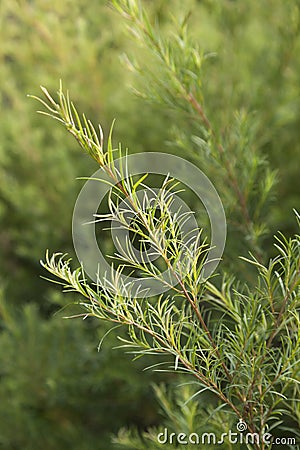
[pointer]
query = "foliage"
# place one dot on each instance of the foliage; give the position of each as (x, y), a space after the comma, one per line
(248, 87)
(55, 387)
(247, 355)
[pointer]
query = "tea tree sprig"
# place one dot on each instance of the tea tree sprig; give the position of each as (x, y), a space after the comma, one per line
(190, 286)
(247, 354)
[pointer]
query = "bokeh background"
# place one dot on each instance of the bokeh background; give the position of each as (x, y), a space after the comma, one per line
(56, 389)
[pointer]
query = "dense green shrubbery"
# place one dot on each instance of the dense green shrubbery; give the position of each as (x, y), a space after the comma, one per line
(57, 392)
(251, 76)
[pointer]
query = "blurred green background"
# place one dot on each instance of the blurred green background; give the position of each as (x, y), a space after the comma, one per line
(56, 390)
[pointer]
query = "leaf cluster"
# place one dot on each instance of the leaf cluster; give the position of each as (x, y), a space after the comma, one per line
(240, 342)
